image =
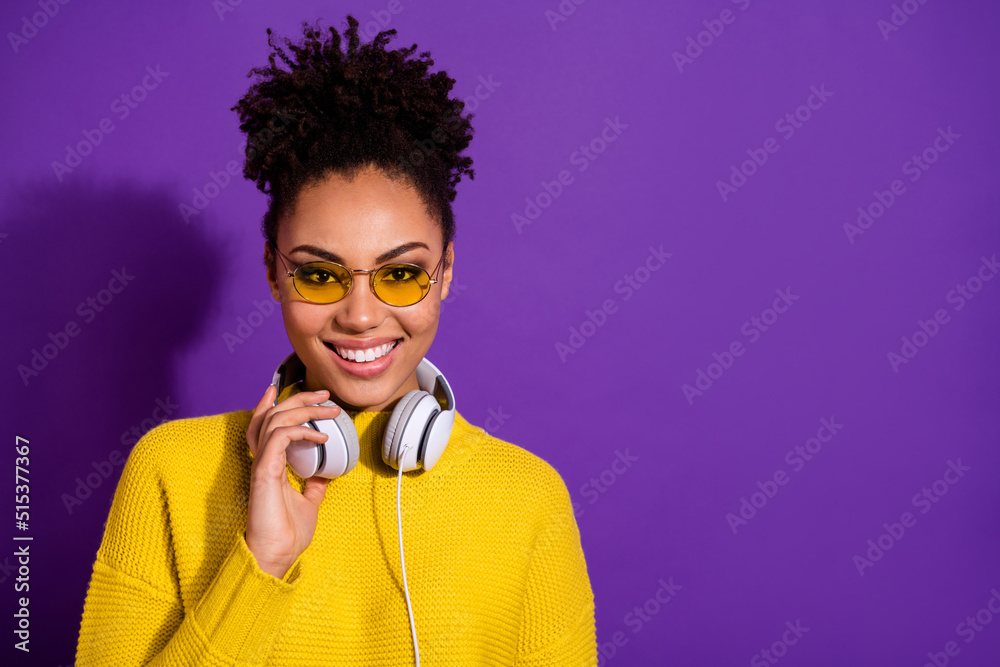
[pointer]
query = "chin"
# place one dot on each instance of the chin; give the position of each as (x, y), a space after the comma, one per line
(355, 392)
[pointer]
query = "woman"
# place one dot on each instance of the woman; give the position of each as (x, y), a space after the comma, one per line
(216, 551)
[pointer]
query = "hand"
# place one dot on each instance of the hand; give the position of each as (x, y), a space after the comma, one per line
(280, 520)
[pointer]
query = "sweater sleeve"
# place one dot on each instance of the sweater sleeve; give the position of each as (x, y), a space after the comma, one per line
(558, 625)
(134, 613)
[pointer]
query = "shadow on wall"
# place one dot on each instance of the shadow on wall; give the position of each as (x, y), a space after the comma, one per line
(103, 288)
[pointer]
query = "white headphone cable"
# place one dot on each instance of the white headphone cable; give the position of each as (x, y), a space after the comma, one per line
(402, 563)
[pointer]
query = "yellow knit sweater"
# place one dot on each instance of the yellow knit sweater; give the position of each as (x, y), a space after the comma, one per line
(494, 564)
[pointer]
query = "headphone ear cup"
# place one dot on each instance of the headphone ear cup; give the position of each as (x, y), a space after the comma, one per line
(395, 430)
(438, 434)
(341, 450)
(333, 458)
(304, 456)
(409, 424)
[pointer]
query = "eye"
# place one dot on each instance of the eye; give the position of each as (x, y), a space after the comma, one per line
(400, 274)
(319, 275)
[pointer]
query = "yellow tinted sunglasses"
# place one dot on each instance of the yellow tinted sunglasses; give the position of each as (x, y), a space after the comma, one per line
(396, 284)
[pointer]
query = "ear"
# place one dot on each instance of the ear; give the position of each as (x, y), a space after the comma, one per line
(270, 261)
(446, 277)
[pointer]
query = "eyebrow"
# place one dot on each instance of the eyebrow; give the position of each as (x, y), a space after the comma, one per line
(381, 259)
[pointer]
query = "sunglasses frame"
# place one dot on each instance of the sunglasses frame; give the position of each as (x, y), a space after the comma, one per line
(351, 272)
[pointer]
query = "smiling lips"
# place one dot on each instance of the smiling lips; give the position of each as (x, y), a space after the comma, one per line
(366, 354)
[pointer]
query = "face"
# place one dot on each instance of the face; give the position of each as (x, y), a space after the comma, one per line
(360, 220)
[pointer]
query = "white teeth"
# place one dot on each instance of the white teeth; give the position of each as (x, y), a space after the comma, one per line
(370, 354)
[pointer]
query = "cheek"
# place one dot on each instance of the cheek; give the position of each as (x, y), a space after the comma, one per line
(423, 317)
(302, 319)
(421, 320)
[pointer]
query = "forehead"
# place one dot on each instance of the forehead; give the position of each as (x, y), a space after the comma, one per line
(360, 217)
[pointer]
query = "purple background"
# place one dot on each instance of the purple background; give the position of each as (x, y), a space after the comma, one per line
(692, 462)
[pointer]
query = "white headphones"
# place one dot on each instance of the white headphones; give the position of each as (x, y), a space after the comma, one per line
(415, 437)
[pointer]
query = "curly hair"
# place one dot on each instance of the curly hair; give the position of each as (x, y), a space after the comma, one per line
(338, 113)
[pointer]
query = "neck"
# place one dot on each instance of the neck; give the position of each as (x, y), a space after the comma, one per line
(310, 383)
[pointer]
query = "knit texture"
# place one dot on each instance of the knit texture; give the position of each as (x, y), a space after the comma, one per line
(495, 568)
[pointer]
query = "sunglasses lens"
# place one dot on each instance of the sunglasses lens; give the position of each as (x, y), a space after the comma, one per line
(322, 282)
(401, 284)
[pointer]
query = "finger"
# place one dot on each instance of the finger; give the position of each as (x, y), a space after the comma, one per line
(315, 489)
(269, 465)
(300, 415)
(305, 398)
(298, 400)
(253, 430)
(296, 415)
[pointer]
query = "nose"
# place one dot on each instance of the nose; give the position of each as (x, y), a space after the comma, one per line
(360, 310)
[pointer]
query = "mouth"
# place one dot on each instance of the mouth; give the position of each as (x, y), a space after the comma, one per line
(367, 362)
(364, 356)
